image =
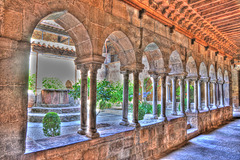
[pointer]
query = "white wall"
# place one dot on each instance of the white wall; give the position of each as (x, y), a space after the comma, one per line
(53, 66)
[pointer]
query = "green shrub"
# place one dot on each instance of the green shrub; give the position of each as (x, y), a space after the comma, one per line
(117, 93)
(159, 109)
(32, 82)
(51, 124)
(143, 108)
(104, 94)
(76, 92)
(52, 83)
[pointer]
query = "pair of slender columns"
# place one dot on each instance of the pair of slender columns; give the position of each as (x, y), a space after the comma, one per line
(174, 106)
(189, 110)
(124, 121)
(168, 96)
(163, 97)
(214, 95)
(221, 94)
(207, 95)
(91, 131)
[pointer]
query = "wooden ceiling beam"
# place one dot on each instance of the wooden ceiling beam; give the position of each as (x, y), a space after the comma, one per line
(201, 3)
(214, 5)
(232, 29)
(223, 16)
(229, 25)
(223, 12)
(230, 19)
(219, 10)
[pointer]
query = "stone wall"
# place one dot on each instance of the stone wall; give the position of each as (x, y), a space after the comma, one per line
(149, 142)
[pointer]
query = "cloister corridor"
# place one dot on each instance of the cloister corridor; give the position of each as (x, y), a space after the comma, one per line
(221, 144)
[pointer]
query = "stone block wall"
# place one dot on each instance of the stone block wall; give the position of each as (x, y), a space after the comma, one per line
(148, 142)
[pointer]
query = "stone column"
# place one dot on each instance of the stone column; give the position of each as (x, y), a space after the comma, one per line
(92, 130)
(174, 106)
(155, 95)
(188, 97)
(181, 83)
(84, 91)
(195, 97)
(209, 94)
(206, 96)
(168, 92)
(217, 95)
(135, 122)
(143, 91)
(199, 96)
(221, 94)
(223, 97)
(214, 95)
(124, 121)
(163, 99)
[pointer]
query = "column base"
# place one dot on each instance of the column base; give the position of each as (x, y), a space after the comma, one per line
(174, 113)
(214, 107)
(188, 111)
(124, 123)
(93, 135)
(81, 131)
(196, 111)
(135, 124)
(182, 114)
(207, 109)
(154, 117)
(162, 118)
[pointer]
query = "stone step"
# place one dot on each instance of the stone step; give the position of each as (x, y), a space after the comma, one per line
(61, 110)
(55, 105)
(65, 117)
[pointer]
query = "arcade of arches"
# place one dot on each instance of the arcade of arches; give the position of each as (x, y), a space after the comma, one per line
(143, 46)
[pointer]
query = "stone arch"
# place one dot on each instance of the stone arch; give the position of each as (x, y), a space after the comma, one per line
(123, 47)
(175, 63)
(155, 58)
(219, 75)
(212, 73)
(203, 70)
(191, 67)
(74, 28)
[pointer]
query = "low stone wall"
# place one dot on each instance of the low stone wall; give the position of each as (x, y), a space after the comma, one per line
(54, 97)
(207, 120)
(144, 143)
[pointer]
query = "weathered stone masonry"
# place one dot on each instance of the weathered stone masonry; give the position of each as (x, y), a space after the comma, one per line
(89, 23)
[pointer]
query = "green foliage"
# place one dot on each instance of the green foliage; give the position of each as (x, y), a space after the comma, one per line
(185, 105)
(52, 83)
(76, 92)
(117, 93)
(32, 82)
(191, 93)
(144, 108)
(51, 124)
(104, 94)
(130, 91)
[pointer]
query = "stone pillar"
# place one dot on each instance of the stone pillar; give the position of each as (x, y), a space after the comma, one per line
(188, 97)
(199, 96)
(135, 122)
(84, 91)
(221, 94)
(14, 72)
(217, 95)
(223, 97)
(163, 99)
(214, 95)
(195, 97)
(174, 106)
(92, 130)
(209, 94)
(155, 95)
(181, 83)
(124, 121)
(168, 92)
(206, 96)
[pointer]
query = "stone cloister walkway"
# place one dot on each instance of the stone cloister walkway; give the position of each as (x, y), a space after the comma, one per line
(220, 144)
